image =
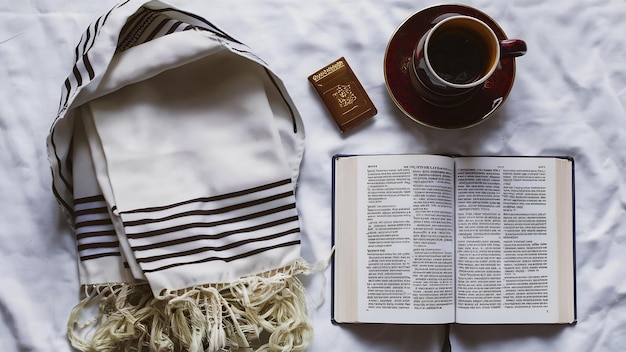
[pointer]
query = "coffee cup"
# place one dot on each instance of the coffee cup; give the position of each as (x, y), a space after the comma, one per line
(455, 58)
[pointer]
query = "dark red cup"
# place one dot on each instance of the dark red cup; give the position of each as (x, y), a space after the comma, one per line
(456, 57)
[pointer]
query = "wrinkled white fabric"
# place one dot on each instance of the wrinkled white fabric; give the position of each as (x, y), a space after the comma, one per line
(569, 97)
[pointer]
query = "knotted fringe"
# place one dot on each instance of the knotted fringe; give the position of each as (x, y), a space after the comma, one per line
(265, 312)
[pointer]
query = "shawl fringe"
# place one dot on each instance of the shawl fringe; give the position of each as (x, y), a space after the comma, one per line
(265, 312)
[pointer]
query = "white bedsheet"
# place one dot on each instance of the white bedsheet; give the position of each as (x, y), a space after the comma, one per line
(569, 98)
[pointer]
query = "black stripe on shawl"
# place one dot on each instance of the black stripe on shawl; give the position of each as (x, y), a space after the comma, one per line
(211, 211)
(218, 236)
(210, 224)
(210, 26)
(213, 198)
(226, 259)
(99, 255)
(91, 199)
(232, 245)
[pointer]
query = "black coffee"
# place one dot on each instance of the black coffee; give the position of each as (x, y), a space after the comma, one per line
(457, 56)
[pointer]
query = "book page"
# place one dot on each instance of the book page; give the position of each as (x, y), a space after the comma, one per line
(405, 245)
(506, 240)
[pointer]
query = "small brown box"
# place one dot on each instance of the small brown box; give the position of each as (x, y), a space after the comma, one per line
(343, 94)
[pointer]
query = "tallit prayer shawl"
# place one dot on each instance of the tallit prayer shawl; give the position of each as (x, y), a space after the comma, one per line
(174, 156)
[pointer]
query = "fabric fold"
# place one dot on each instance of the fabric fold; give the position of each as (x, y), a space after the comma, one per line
(175, 156)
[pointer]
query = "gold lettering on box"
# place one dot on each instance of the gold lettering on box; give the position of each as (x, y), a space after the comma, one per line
(344, 95)
(328, 70)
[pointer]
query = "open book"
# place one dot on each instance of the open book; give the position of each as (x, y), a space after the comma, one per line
(431, 239)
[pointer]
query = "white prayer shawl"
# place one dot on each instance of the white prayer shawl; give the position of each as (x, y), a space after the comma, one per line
(175, 155)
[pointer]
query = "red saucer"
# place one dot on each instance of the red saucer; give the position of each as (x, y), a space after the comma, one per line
(396, 66)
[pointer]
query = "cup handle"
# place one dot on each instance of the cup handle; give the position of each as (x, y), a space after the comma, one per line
(510, 48)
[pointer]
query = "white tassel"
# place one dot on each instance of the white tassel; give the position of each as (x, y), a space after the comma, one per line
(210, 318)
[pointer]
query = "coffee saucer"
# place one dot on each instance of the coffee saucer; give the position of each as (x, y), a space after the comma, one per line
(396, 68)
